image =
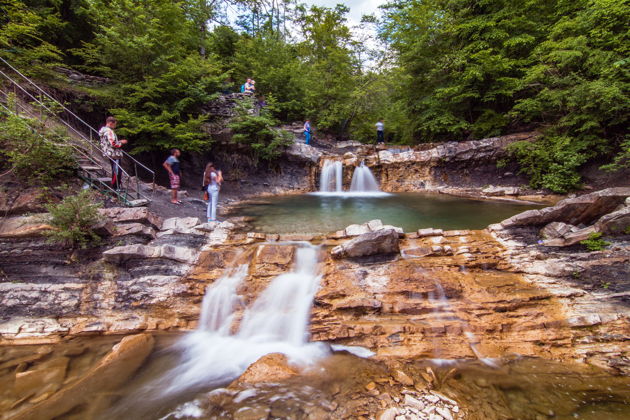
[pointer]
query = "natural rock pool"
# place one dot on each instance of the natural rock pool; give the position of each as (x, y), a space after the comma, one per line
(323, 213)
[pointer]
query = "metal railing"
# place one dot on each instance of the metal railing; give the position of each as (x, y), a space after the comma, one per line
(43, 102)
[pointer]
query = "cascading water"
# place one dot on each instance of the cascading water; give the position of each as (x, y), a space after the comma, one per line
(330, 180)
(277, 322)
(363, 180)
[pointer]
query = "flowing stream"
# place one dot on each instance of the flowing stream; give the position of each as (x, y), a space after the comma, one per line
(330, 180)
(277, 322)
(363, 180)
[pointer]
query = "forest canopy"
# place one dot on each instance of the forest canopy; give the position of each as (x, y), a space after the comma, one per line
(437, 70)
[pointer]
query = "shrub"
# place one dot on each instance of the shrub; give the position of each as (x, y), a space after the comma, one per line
(74, 219)
(595, 242)
(35, 154)
(257, 129)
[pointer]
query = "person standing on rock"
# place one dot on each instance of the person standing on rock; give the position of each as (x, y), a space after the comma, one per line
(307, 131)
(112, 149)
(212, 180)
(171, 164)
(380, 131)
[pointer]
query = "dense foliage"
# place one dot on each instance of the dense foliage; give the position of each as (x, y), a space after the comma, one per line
(482, 68)
(256, 127)
(32, 152)
(443, 70)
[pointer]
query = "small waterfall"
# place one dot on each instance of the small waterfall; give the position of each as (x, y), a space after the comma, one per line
(363, 180)
(330, 180)
(277, 322)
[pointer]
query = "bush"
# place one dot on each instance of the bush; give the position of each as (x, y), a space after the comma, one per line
(35, 154)
(595, 242)
(258, 130)
(74, 219)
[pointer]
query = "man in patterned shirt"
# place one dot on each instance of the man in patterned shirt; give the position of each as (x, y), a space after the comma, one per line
(112, 149)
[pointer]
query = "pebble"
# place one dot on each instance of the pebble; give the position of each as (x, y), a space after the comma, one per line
(444, 412)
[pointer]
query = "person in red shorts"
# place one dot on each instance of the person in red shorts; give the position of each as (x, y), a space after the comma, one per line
(171, 164)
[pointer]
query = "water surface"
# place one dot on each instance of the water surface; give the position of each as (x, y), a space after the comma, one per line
(322, 213)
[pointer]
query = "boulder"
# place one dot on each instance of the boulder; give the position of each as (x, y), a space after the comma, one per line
(617, 222)
(556, 230)
(132, 214)
(571, 238)
(301, 151)
(29, 200)
(584, 209)
(272, 367)
(356, 230)
(384, 241)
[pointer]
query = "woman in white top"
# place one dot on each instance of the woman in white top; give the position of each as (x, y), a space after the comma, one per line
(212, 179)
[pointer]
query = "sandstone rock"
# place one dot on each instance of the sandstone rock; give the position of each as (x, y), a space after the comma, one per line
(388, 414)
(111, 372)
(384, 241)
(375, 224)
(356, 230)
(556, 230)
(132, 214)
(24, 226)
(43, 380)
(252, 413)
(571, 238)
(402, 377)
(120, 254)
(616, 222)
(301, 152)
(499, 191)
(256, 235)
(272, 367)
(429, 232)
(29, 200)
(413, 402)
(584, 209)
(180, 224)
(134, 229)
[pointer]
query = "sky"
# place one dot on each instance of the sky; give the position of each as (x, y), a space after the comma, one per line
(358, 8)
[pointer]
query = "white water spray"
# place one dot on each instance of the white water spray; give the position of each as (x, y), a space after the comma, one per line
(363, 180)
(330, 180)
(277, 322)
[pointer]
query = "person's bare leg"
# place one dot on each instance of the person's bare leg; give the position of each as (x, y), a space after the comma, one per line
(173, 195)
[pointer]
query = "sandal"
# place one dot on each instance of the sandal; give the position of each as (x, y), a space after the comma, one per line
(176, 202)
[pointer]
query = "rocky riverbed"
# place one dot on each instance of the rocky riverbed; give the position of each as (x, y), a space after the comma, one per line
(522, 288)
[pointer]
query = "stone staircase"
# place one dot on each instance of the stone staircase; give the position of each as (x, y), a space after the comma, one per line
(20, 96)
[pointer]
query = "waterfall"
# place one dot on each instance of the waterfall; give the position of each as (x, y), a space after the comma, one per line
(277, 322)
(363, 180)
(330, 180)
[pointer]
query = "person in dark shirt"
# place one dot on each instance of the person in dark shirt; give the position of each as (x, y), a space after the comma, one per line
(171, 164)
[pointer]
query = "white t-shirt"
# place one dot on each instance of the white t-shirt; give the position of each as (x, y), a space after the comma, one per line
(380, 126)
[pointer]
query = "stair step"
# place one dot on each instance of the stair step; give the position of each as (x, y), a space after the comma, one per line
(104, 179)
(90, 168)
